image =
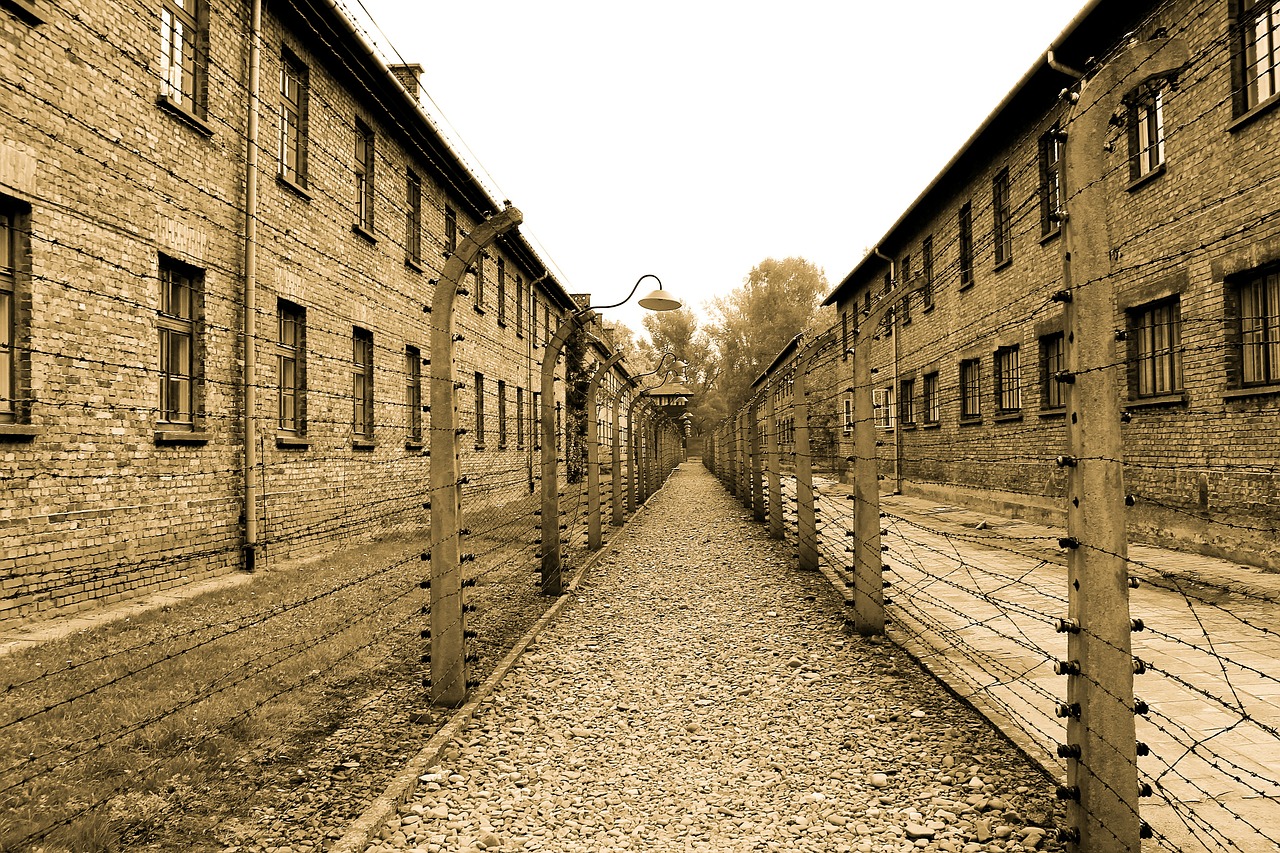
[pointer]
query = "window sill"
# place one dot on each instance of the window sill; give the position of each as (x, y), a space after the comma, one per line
(1251, 391)
(479, 448)
(965, 285)
(911, 425)
(1005, 264)
(932, 425)
(1051, 236)
(24, 10)
(291, 441)
(1008, 417)
(18, 432)
(364, 232)
(927, 308)
(181, 436)
(413, 445)
(294, 186)
(1054, 412)
(413, 264)
(502, 322)
(1140, 182)
(1249, 117)
(479, 307)
(166, 102)
(1178, 399)
(363, 444)
(973, 420)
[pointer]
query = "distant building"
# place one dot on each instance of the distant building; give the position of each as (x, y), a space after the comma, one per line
(1193, 187)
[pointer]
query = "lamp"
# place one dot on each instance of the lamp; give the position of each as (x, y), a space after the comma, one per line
(660, 300)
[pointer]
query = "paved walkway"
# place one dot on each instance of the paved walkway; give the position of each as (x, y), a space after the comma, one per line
(699, 693)
(976, 596)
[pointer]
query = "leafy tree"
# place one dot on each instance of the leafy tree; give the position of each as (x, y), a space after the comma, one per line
(750, 326)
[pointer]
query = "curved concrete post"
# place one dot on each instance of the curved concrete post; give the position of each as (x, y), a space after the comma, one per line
(594, 535)
(448, 682)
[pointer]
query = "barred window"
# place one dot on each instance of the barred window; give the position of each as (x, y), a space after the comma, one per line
(291, 359)
(965, 225)
(479, 411)
(1259, 300)
(1146, 134)
(1051, 181)
(907, 402)
(1008, 380)
(1052, 362)
(501, 295)
(364, 163)
(502, 415)
(183, 64)
(293, 119)
(970, 389)
(413, 392)
(181, 289)
(926, 270)
(1002, 217)
(1156, 340)
(1258, 50)
(413, 218)
(362, 383)
(10, 249)
(930, 400)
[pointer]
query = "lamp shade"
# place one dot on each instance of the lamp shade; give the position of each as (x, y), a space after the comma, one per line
(660, 300)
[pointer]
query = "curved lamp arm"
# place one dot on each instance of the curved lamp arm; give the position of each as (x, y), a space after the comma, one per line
(668, 302)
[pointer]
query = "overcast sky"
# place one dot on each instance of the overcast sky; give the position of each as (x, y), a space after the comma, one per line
(694, 139)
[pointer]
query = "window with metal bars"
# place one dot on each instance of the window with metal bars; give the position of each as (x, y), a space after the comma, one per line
(1008, 381)
(362, 425)
(413, 393)
(178, 321)
(1002, 218)
(1155, 334)
(364, 168)
(1258, 53)
(293, 119)
(183, 61)
(1259, 330)
(291, 354)
(970, 389)
(965, 226)
(1052, 362)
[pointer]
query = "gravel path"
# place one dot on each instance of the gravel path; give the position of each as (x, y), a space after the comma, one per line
(701, 694)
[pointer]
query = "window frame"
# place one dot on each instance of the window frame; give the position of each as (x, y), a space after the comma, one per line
(187, 96)
(1146, 134)
(520, 425)
(1053, 360)
(519, 303)
(15, 268)
(291, 397)
(293, 114)
(965, 241)
(413, 218)
(502, 415)
(970, 390)
(1260, 330)
(479, 426)
(1002, 218)
(413, 394)
(926, 270)
(1247, 96)
(364, 168)
(1164, 358)
(173, 326)
(931, 401)
(363, 427)
(1051, 186)
(906, 403)
(1007, 380)
(500, 291)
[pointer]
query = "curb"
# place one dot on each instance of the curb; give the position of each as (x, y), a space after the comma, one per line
(357, 837)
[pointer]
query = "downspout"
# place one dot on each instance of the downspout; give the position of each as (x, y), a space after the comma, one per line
(1059, 67)
(249, 381)
(897, 386)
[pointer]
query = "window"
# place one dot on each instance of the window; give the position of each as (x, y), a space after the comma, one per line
(844, 336)
(546, 323)
(519, 418)
(533, 319)
(293, 119)
(291, 350)
(926, 270)
(906, 309)
(848, 415)
(12, 256)
(179, 324)
(966, 244)
(1002, 217)
(1259, 300)
(450, 230)
(501, 296)
(970, 389)
(1146, 135)
(1156, 341)
(907, 402)
(882, 404)
(866, 302)
(1259, 52)
(1052, 362)
(477, 273)
(364, 177)
(502, 415)
(362, 383)
(519, 303)
(182, 54)
(905, 269)
(535, 418)
(479, 411)
(930, 401)
(1051, 181)
(413, 219)
(1008, 381)
(413, 392)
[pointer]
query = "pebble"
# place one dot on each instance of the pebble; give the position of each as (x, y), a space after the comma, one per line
(746, 718)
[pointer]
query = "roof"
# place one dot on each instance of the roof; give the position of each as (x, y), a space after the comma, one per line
(353, 61)
(1098, 26)
(779, 359)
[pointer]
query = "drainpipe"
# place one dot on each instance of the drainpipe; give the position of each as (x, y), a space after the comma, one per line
(249, 381)
(897, 425)
(1051, 60)
(1059, 67)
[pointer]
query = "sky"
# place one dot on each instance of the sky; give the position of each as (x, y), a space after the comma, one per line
(692, 139)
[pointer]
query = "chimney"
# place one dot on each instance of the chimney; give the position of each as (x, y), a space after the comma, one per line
(410, 77)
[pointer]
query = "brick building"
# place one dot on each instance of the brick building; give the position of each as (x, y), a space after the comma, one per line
(966, 375)
(128, 253)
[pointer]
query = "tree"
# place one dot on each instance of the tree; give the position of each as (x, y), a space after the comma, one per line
(776, 301)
